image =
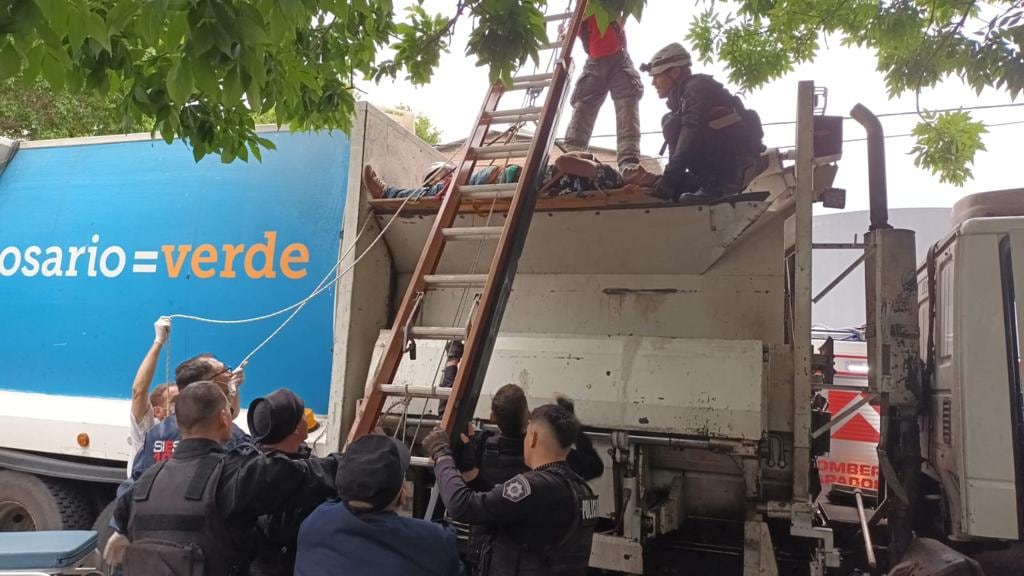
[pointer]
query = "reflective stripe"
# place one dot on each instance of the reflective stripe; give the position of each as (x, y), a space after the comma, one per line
(725, 121)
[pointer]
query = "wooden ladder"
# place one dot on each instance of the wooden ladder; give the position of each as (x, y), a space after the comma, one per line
(494, 287)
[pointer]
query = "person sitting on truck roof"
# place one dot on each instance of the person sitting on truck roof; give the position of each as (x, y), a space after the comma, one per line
(361, 532)
(161, 440)
(199, 508)
(543, 519)
(278, 425)
(572, 173)
(149, 408)
(714, 142)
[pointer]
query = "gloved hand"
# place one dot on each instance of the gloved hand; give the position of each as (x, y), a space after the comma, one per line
(162, 330)
(437, 443)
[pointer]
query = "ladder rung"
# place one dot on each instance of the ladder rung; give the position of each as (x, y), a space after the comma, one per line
(528, 85)
(438, 333)
(477, 233)
(455, 280)
(421, 462)
(494, 151)
(513, 115)
(415, 391)
(557, 17)
(546, 77)
(488, 191)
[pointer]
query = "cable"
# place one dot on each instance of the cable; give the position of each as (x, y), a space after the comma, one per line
(885, 115)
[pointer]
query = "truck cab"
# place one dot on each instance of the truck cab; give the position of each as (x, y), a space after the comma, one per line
(971, 342)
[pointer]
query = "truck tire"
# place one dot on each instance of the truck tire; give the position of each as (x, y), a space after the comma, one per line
(29, 502)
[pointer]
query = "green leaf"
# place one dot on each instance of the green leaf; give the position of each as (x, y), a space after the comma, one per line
(120, 15)
(53, 71)
(233, 85)
(97, 29)
(10, 61)
(180, 81)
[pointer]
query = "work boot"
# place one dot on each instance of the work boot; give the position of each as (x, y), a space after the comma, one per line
(373, 183)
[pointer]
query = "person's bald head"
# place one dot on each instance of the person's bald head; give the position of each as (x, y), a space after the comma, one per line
(550, 435)
(202, 411)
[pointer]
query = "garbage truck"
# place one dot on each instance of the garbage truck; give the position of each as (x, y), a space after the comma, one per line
(684, 335)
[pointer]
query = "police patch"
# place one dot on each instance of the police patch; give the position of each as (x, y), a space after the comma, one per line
(516, 489)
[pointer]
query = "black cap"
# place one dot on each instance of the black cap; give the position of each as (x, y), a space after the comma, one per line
(274, 416)
(372, 470)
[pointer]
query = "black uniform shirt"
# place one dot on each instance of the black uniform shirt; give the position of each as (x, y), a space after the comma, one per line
(536, 508)
(253, 484)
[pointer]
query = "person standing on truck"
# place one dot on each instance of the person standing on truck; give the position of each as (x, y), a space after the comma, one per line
(278, 426)
(196, 513)
(544, 517)
(714, 142)
(361, 533)
(608, 69)
(148, 409)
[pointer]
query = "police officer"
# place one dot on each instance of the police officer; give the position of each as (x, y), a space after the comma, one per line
(714, 142)
(491, 458)
(544, 516)
(161, 440)
(195, 513)
(278, 426)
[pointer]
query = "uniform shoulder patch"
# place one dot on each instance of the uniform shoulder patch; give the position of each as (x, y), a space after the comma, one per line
(516, 489)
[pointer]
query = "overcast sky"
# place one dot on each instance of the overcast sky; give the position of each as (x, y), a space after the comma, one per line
(453, 99)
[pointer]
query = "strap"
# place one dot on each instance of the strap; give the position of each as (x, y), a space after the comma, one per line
(169, 523)
(201, 478)
(145, 483)
(725, 121)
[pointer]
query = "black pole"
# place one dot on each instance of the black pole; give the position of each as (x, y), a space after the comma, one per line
(877, 189)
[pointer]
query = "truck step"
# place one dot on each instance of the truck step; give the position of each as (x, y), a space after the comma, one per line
(476, 233)
(438, 332)
(488, 191)
(455, 280)
(415, 391)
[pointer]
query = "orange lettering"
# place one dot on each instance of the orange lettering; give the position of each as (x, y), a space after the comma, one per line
(231, 251)
(204, 254)
(267, 250)
(174, 267)
(287, 259)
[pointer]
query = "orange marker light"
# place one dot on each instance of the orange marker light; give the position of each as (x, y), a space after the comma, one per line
(83, 440)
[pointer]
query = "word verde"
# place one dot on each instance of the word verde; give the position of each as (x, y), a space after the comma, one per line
(256, 261)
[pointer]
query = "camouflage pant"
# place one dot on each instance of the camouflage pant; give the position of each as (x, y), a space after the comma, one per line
(617, 75)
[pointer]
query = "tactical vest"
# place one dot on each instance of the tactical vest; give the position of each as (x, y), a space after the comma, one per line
(568, 557)
(728, 117)
(501, 459)
(175, 528)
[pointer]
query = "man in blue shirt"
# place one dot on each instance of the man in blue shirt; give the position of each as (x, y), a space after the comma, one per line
(361, 533)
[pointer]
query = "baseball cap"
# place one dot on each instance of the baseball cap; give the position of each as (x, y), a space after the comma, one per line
(671, 56)
(273, 417)
(372, 470)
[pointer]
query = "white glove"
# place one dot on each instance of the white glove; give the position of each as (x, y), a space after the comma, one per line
(162, 330)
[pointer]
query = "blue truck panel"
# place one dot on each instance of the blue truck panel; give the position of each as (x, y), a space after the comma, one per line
(97, 241)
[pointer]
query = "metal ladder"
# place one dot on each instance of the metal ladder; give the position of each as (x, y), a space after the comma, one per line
(494, 287)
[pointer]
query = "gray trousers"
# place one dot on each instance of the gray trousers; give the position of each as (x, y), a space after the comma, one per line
(616, 75)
